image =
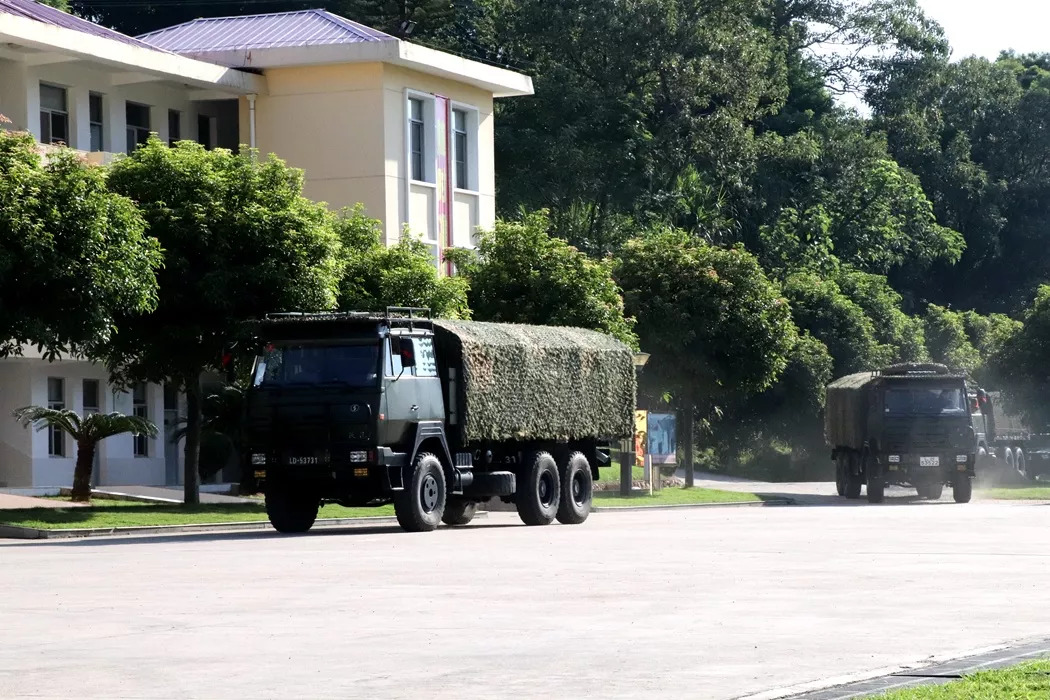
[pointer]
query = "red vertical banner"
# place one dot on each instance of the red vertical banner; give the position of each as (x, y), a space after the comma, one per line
(443, 122)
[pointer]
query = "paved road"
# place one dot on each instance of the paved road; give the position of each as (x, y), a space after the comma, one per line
(715, 603)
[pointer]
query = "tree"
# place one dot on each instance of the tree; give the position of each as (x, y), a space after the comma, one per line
(1019, 365)
(87, 432)
(73, 256)
(376, 276)
(522, 274)
(716, 327)
(239, 241)
(966, 340)
(903, 334)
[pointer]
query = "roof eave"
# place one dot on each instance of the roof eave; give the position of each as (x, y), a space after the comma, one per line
(166, 66)
(499, 81)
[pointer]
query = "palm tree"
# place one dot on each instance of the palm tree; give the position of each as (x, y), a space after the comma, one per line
(87, 432)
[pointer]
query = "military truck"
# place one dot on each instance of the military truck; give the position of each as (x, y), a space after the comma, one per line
(1005, 443)
(906, 425)
(434, 416)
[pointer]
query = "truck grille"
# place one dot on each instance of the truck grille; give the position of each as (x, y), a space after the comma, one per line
(911, 436)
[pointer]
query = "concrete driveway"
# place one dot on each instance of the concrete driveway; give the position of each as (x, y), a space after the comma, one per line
(717, 603)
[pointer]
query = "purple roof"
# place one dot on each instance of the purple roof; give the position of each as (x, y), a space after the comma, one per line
(267, 31)
(58, 18)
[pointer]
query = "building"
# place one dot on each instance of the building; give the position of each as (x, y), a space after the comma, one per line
(405, 130)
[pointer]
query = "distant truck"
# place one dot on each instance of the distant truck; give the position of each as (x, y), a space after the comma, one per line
(434, 416)
(906, 425)
(1005, 440)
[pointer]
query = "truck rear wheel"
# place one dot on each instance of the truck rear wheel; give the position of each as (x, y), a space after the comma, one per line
(1021, 463)
(291, 510)
(841, 466)
(577, 490)
(421, 504)
(934, 491)
(876, 490)
(962, 489)
(459, 511)
(853, 482)
(538, 491)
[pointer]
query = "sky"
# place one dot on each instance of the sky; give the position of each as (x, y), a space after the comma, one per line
(986, 27)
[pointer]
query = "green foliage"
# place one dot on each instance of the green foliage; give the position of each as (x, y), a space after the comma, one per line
(376, 276)
(820, 307)
(522, 274)
(712, 321)
(882, 304)
(239, 241)
(58, 4)
(73, 257)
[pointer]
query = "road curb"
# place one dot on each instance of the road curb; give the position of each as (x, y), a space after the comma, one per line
(30, 533)
(681, 506)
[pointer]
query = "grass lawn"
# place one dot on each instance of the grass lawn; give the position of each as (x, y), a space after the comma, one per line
(611, 475)
(1017, 493)
(1026, 682)
(673, 496)
(106, 513)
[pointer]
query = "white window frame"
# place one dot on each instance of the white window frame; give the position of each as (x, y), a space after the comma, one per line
(51, 112)
(429, 133)
(101, 123)
(56, 439)
(473, 115)
(140, 446)
(136, 128)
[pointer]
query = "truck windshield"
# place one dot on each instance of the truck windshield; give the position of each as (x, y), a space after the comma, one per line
(286, 365)
(914, 400)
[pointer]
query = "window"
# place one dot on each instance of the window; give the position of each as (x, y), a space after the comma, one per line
(417, 142)
(91, 397)
(56, 401)
(347, 365)
(461, 149)
(204, 131)
(421, 348)
(95, 119)
(174, 126)
(917, 400)
(54, 117)
(140, 408)
(137, 117)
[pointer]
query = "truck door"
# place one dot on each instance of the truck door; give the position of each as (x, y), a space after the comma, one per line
(400, 403)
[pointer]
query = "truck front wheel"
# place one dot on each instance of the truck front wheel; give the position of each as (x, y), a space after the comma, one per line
(853, 482)
(577, 489)
(876, 489)
(291, 510)
(421, 504)
(539, 491)
(962, 489)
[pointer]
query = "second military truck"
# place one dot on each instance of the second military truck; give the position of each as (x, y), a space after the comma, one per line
(434, 416)
(907, 425)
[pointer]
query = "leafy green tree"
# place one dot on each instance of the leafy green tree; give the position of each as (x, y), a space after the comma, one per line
(376, 276)
(522, 274)
(904, 334)
(820, 307)
(73, 256)
(716, 327)
(1019, 364)
(965, 339)
(87, 432)
(240, 241)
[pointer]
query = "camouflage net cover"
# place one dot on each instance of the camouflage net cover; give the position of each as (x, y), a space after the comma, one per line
(522, 382)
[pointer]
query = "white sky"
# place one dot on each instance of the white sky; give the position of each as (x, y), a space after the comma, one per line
(986, 27)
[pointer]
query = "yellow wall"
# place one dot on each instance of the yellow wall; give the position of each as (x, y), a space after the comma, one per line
(345, 126)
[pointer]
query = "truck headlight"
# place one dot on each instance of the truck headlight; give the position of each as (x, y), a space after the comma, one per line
(359, 456)
(961, 459)
(258, 458)
(894, 459)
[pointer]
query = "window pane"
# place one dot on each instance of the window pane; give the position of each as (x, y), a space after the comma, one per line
(459, 120)
(91, 394)
(174, 126)
(55, 391)
(418, 169)
(416, 112)
(96, 137)
(59, 128)
(45, 127)
(462, 171)
(139, 393)
(137, 115)
(52, 98)
(204, 131)
(95, 107)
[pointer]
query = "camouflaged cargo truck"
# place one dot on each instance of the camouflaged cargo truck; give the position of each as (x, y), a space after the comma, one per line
(907, 425)
(434, 416)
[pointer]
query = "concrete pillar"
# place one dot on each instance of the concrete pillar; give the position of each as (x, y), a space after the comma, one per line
(114, 118)
(31, 86)
(78, 102)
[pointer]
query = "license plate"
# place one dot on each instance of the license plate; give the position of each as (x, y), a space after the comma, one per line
(298, 461)
(929, 461)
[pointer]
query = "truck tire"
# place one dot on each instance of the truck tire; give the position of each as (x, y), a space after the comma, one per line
(421, 504)
(538, 491)
(1021, 463)
(962, 489)
(459, 511)
(291, 510)
(854, 482)
(577, 490)
(840, 475)
(934, 491)
(876, 490)
(1008, 457)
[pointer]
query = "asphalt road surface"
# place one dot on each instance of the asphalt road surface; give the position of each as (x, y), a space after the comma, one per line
(717, 603)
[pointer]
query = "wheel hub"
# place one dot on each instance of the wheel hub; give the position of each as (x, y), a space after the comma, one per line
(546, 489)
(429, 493)
(579, 490)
